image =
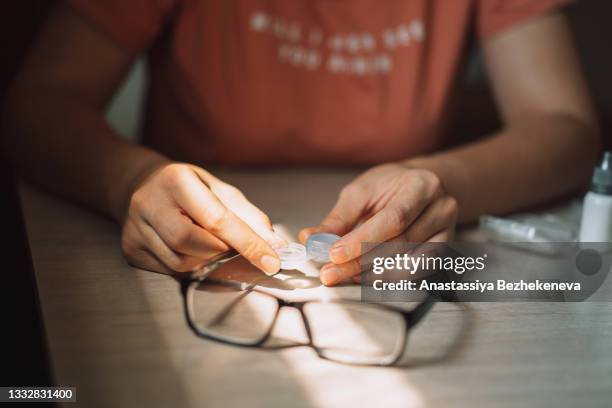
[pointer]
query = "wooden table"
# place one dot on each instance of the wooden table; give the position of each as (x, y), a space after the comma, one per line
(118, 334)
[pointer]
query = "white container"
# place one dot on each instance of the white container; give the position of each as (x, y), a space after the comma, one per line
(596, 225)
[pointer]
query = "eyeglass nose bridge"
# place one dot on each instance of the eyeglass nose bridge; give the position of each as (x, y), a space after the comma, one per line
(300, 307)
(382, 361)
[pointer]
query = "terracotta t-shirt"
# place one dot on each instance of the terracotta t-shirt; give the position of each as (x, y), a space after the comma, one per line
(300, 81)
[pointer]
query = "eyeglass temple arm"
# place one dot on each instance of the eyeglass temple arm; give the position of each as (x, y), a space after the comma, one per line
(415, 315)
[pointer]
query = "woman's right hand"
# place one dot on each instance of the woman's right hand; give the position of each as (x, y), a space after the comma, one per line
(181, 216)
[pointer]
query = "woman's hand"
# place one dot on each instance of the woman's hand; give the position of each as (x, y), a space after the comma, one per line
(181, 216)
(391, 202)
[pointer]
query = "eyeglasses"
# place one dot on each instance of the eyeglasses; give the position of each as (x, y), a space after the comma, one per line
(345, 331)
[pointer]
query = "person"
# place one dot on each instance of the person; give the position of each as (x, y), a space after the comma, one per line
(343, 82)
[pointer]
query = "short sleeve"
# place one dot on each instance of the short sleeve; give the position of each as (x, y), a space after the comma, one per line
(496, 16)
(133, 24)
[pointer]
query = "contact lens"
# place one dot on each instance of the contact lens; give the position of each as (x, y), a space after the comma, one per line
(318, 246)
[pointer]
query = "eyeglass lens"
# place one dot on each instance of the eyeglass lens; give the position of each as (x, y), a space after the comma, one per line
(349, 332)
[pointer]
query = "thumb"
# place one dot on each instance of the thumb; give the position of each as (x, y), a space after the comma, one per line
(342, 218)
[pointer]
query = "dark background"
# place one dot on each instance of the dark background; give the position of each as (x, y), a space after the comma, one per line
(23, 356)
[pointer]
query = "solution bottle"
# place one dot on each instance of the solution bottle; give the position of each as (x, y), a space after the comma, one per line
(596, 224)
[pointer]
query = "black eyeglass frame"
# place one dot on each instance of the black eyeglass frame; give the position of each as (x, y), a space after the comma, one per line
(410, 317)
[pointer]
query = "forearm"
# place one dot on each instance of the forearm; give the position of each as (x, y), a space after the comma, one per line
(528, 163)
(63, 144)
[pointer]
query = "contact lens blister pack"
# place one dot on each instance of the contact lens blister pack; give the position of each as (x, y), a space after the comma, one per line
(316, 249)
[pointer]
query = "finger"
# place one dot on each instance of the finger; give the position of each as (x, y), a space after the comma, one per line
(260, 223)
(305, 233)
(232, 198)
(443, 236)
(171, 259)
(132, 246)
(332, 274)
(182, 235)
(384, 225)
(438, 216)
(347, 212)
(206, 209)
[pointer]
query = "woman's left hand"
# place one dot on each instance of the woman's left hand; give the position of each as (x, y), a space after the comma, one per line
(390, 202)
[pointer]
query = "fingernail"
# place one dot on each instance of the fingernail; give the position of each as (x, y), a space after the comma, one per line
(339, 254)
(270, 264)
(330, 275)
